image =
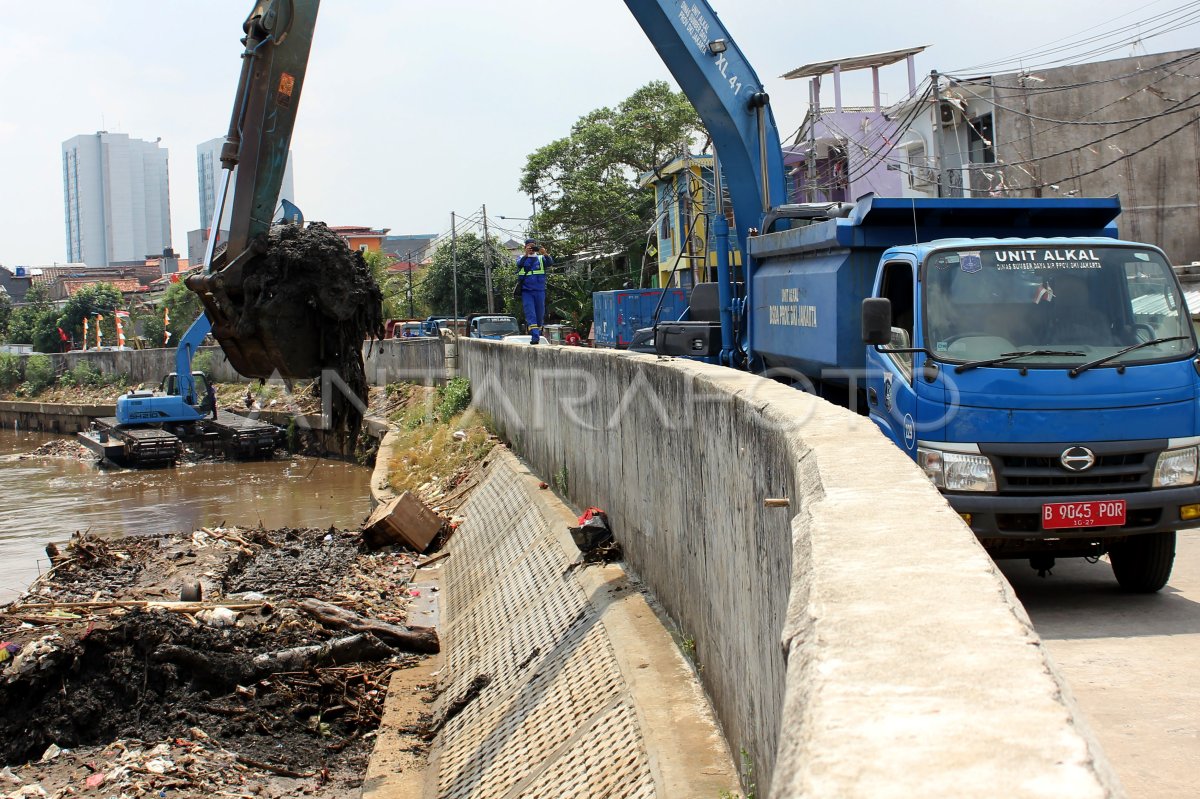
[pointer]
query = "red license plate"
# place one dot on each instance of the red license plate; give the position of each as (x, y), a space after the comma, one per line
(1102, 513)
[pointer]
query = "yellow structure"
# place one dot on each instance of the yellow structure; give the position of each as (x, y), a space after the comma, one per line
(684, 204)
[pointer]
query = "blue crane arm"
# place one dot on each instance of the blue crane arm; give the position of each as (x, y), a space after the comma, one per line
(718, 80)
(184, 354)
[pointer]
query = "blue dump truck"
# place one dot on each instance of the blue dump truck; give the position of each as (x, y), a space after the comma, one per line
(1042, 372)
(618, 315)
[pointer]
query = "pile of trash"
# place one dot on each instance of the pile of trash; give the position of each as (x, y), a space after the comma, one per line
(223, 662)
(62, 448)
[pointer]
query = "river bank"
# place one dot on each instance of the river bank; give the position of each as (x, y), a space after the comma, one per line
(147, 697)
(115, 683)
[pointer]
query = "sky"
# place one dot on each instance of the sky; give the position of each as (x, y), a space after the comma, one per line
(413, 110)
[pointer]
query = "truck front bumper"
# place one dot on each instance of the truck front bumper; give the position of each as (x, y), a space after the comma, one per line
(1012, 517)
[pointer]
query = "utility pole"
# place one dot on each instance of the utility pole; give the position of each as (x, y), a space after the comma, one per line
(454, 263)
(410, 296)
(937, 132)
(487, 264)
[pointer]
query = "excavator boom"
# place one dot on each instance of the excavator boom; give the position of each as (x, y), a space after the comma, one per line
(278, 36)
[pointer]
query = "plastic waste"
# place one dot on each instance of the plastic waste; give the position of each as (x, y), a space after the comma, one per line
(8, 651)
(218, 617)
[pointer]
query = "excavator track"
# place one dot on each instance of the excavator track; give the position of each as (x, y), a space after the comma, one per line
(132, 446)
(241, 437)
(146, 446)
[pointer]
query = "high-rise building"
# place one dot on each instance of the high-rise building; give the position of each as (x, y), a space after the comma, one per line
(208, 174)
(117, 197)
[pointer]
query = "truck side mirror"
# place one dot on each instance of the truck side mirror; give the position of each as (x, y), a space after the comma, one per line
(877, 321)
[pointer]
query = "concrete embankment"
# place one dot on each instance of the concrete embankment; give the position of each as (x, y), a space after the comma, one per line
(428, 361)
(419, 360)
(856, 643)
(559, 679)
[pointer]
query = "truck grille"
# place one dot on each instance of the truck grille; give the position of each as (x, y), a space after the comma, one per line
(1037, 469)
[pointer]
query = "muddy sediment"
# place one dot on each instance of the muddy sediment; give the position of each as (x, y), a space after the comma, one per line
(313, 286)
(242, 687)
(299, 307)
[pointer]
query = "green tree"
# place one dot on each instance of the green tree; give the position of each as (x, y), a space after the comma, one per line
(184, 307)
(592, 210)
(394, 287)
(6, 309)
(436, 289)
(586, 185)
(34, 321)
(98, 298)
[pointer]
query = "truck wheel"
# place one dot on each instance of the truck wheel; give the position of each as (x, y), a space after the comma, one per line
(1142, 564)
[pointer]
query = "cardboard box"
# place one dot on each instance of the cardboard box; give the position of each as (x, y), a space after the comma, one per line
(405, 520)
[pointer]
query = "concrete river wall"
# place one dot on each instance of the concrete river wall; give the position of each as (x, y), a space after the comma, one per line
(855, 640)
(424, 360)
(388, 361)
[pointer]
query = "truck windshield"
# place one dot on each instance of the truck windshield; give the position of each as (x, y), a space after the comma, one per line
(498, 327)
(1056, 304)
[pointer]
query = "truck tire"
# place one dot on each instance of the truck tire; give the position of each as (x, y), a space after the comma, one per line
(1142, 564)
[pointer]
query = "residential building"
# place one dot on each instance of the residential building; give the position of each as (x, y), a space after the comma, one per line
(684, 202)
(839, 153)
(363, 239)
(410, 248)
(1125, 127)
(117, 198)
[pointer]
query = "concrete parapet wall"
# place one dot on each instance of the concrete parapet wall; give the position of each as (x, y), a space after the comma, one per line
(51, 417)
(137, 366)
(856, 643)
(416, 360)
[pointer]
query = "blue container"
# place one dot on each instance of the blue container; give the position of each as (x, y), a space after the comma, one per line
(618, 314)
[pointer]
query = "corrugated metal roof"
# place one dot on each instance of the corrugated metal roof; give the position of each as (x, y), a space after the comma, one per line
(853, 62)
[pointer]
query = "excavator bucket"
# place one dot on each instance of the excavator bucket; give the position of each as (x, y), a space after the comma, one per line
(284, 300)
(303, 303)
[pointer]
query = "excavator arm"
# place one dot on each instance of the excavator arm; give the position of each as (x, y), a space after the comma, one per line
(278, 36)
(727, 94)
(283, 340)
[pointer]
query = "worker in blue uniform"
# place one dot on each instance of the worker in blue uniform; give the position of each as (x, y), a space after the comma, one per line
(531, 283)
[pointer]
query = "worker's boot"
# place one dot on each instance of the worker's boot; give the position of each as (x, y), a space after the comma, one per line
(534, 334)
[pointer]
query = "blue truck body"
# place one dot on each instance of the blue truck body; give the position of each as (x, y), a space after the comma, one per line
(1043, 372)
(618, 314)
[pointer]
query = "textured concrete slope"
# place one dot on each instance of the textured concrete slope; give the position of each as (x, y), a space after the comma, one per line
(559, 680)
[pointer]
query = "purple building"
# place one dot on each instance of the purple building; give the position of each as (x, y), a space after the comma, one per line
(843, 152)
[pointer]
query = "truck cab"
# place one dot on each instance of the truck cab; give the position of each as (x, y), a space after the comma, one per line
(1042, 372)
(493, 327)
(1047, 387)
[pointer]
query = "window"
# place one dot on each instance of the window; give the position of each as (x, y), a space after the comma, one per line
(897, 285)
(363, 248)
(980, 140)
(920, 176)
(665, 205)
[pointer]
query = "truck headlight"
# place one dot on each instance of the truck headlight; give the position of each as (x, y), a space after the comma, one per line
(1175, 467)
(954, 471)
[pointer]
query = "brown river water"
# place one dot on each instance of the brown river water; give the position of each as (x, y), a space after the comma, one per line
(45, 500)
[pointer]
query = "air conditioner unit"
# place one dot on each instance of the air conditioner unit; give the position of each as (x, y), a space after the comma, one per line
(923, 176)
(951, 111)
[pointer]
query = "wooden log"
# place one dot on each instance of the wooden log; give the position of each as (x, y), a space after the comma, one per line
(224, 669)
(100, 604)
(410, 639)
